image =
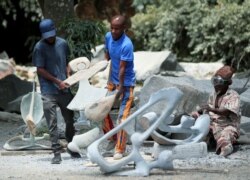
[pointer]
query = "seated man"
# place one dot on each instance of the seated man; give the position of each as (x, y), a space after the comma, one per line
(224, 110)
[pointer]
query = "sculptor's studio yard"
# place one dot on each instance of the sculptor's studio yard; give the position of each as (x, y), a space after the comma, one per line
(35, 164)
(170, 56)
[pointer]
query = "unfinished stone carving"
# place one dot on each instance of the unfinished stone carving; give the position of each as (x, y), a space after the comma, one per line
(97, 111)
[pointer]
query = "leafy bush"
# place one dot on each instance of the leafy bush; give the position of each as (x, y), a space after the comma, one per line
(196, 30)
(82, 36)
(224, 34)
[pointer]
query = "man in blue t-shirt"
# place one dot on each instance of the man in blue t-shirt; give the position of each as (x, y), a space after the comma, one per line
(119, 49)
(50, 56)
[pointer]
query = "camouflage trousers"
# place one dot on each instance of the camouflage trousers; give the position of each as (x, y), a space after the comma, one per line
(223, 136)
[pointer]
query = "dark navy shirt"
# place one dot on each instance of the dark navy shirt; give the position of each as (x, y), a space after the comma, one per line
(54, 59)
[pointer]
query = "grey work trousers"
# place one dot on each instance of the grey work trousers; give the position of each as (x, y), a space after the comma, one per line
(50, 103)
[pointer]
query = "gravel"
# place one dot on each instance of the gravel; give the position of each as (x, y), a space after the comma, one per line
(36, 164)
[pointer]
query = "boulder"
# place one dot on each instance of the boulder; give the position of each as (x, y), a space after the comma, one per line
(12, 87)
(196, 92)
(151, 63)
(146, 64)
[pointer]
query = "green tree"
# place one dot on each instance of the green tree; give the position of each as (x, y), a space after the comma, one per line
(82, 36)
(196, 30)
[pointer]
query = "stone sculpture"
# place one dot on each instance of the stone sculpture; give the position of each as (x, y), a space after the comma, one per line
(142, 167)
(31, 106)
(97, 111)
(197, 129)
(86, 93)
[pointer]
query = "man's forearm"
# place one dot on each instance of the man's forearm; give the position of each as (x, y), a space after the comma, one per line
(122, 73)
(45, 74)
(224, 112)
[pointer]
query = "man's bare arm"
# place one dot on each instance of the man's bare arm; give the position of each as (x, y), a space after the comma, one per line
(42, 72)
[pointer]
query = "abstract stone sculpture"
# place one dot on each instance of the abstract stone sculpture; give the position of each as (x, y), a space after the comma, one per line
(165, 158)
(31, 100)
(196, 129)
(86, 93)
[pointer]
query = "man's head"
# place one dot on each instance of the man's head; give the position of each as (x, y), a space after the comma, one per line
(117, 26)
(47, 29)
(222, 78)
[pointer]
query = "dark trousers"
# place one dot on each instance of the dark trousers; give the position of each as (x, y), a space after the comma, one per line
(50, 103)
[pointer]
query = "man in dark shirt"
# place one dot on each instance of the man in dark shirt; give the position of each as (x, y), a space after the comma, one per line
(50, 56)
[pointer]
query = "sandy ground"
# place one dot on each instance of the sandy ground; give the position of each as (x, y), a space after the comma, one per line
(36, 164)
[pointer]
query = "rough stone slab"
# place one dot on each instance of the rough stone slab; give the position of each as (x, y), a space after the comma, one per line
(149, 63)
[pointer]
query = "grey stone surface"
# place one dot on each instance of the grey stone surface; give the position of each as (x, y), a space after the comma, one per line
(245, 101)
(192, 93)
(196, 92)
(150, 63)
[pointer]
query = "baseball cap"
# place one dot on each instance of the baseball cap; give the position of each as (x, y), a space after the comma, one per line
(47, 28)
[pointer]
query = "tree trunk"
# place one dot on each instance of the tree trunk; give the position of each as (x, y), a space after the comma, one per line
(57, 10)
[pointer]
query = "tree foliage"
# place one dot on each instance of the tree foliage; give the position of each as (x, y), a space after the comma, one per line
(18, 28)
(196, 30)
(82, 36)
(30, 9)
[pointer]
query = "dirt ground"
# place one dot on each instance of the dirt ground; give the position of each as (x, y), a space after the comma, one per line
(36, 164)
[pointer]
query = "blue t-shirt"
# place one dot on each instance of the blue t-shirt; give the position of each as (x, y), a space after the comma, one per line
(54, 59)
(121, 50)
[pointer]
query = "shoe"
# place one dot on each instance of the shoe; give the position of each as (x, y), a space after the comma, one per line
(110, 146)
(225, 151)
(118, 156)
(56, 159)
(73, 154)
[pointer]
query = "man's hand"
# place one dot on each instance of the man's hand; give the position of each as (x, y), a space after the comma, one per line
(62, 85)
(119, 92)
(195, 114)
(201, 110)
(205, 107)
